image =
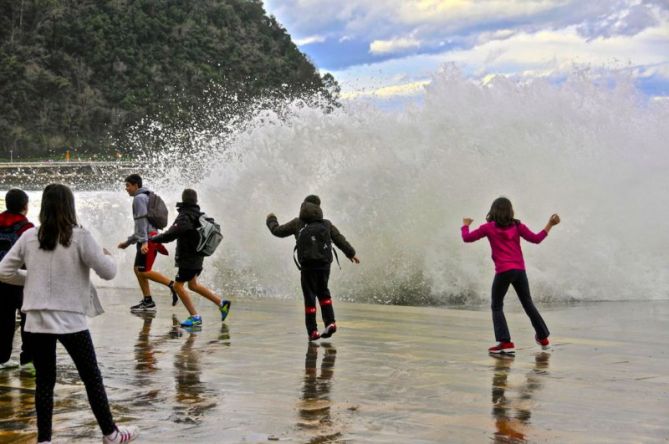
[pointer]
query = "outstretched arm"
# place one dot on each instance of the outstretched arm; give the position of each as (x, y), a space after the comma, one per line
(180, 225)
(473, 236)
(340, 241)
(289, 229)
(537, 238)
(96, 257)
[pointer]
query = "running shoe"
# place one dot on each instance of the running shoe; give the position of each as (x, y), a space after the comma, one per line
(192, 321)
(314, 335)
(144, 306)
(502, 347)
(329, 330)
(225, 309)
(28, 369)
(544, 343)
(121, 435)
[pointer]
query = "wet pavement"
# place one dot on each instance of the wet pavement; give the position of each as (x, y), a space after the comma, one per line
(390, 375)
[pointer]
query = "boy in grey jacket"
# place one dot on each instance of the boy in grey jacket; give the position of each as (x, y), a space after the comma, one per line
(146, 250)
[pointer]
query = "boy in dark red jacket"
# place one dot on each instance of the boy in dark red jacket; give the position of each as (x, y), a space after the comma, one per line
(13, 223)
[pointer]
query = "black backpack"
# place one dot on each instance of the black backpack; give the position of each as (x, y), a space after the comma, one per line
(9, 236)
(314, 245)
(157, 210)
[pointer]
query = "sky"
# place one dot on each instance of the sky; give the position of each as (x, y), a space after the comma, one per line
(387, 48)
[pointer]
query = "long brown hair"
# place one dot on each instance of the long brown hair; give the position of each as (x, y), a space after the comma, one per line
(57, 217)
(501, 212)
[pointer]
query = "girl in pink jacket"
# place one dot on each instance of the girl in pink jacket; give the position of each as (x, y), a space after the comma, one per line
(504, 233)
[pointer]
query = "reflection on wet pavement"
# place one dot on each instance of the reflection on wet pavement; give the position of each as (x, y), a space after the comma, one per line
(512, 405)
(314, 408)
(391, 374)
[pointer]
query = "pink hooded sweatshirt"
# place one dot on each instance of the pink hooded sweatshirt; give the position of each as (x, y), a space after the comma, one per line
(505, 243)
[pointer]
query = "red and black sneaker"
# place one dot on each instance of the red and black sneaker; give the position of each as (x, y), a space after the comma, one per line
(544, 343)
(314, 335)
(329, 330)
(502, 348)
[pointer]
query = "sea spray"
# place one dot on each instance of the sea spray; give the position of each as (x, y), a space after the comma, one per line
(397, 183)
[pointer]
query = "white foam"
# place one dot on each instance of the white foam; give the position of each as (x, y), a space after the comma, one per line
(398, 182)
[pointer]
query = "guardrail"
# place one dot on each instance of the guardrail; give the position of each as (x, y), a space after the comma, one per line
(73, 164)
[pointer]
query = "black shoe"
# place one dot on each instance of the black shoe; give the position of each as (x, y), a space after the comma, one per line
(144, 306)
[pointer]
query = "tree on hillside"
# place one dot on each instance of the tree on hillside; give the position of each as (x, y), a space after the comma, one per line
(79, 73)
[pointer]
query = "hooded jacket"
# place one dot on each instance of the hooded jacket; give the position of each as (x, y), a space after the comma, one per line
(505, 243)
(309, 212)
(184, 230)
(8, 219)
(140, 212)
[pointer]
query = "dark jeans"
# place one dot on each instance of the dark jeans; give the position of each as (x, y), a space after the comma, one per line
(11, 299)
(500, 285)
(80, 348)
(315, 286)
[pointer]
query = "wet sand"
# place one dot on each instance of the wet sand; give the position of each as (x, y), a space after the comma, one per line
(390, 375)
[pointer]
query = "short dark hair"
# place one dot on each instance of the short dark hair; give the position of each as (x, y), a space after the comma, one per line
(189, 196)
(16, 200)
(134, 179)
(313, 199)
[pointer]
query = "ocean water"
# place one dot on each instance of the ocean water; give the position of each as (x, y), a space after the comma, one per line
(397, 183)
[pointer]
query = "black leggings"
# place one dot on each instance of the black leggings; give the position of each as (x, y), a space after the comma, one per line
(80, 348)
(500, 285)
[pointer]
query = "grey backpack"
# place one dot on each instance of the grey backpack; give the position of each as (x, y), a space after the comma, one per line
(157, 210)
(210, 235)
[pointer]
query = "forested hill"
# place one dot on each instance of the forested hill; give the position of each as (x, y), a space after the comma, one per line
(79, 73)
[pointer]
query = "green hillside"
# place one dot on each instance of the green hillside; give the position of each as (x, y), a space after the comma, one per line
(79, 73)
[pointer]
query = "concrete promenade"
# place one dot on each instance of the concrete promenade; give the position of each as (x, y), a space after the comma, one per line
(390, 375)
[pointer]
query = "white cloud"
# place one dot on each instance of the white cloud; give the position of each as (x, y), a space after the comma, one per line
(406, 89)
(309, 40)
(546, 49)
(393, 45)
(433, 21)
(522, 54)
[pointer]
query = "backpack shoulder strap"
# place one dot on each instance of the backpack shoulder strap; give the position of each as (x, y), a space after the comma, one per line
(297, 264)
(16, 227)
(334, 250)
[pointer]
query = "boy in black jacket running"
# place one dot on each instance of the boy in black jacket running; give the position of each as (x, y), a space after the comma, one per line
(188, 260)
(315, 271)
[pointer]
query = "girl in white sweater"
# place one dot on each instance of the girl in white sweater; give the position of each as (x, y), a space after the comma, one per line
(58, 295)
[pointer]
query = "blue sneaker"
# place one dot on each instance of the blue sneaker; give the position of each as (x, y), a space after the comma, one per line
(192, 321)
(225, 309)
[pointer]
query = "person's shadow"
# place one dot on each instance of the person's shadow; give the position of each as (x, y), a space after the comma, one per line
(512, 413)
(146, 361)
(193, 398)
(314, 405)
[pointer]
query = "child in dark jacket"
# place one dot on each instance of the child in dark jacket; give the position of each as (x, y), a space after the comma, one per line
(188, 260)
(504, 233)
(314, 276)
(13, 223)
